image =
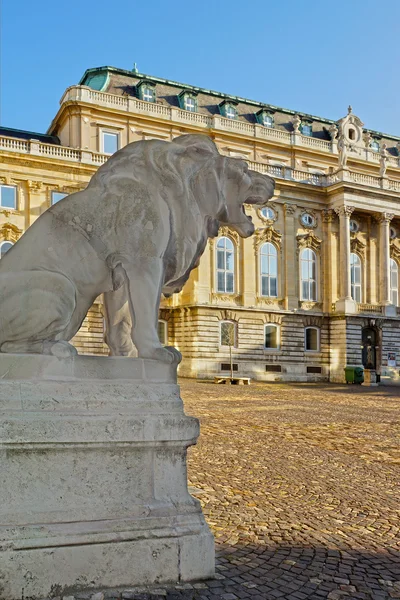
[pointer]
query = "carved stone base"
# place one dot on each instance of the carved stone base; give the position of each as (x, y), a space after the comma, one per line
(93, 485)
(370, 378)
(346, 305)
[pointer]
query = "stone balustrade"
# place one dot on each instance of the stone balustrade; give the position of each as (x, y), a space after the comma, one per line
(36, 148)
(216, 122)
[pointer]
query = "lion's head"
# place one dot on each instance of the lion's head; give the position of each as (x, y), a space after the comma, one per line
(225, 184)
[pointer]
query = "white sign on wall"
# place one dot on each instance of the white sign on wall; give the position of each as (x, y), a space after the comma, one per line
(391, 358)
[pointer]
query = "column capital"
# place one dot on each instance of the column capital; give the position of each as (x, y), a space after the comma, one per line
(290, 209)
(344, 210)
(328, 215)
(384, 217)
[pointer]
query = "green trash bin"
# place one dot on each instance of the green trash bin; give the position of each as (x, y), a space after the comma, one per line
(349, 373)
(358, 375)
(354, 374)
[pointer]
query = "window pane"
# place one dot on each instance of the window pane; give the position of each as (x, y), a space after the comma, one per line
(273, 266)
(271, 336)
(5, 247)
(57, 196)
(229, 260)
(304, 291)
(273, 286)
(220, 259)
(313, 291)
(220, 282)
(357, 275)
(304, 270)
(110, 143)
(8, 196)
(264, 286)
(229, 282)
(311, 338)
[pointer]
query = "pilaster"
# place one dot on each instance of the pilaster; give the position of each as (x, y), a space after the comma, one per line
(345, 303)
(384, 263)
(290, 263)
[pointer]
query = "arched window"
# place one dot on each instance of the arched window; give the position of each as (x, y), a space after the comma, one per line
(308, 273)
(394, 282)
(163, 332)
(269, 270)
(4, 247)
(311, 339)
(225, 265)
(271, 337)
(355, 277)
(228, 334)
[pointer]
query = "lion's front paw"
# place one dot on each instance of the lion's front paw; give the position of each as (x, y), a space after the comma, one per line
(168, 354)
(60, 349)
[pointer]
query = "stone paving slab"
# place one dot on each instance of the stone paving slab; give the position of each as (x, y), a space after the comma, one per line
(301, 487)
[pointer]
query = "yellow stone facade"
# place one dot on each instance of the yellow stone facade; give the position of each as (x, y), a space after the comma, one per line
(337, 201)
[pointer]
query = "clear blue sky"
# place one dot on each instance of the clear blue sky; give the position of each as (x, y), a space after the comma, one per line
(314, 56)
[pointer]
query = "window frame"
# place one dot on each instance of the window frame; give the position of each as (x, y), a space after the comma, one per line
(224, 270)
(394, 290)
(272, 218)
(278, 338)
(355, 286)
(306, 126)
(3, 243)
(267, 275)
(318, 330)
(104, 132)
(15, 188)
(235, 333)
(309, 280)
(375, 146)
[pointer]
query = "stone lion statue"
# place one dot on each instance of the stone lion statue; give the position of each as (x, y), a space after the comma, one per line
(136, 231)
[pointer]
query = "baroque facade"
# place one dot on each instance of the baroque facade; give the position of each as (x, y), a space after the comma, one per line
(315, 289)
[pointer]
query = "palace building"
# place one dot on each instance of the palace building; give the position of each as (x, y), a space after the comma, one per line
(315, 289)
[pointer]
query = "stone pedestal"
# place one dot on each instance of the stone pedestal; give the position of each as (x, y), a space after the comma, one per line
(370, 378)
(93, 485)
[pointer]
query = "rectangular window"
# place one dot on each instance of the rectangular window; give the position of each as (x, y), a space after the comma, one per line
(312, 339)
(314, 370)
(110, 142)
(271, 337)
(273, 368)
(190, 104)
(8, 196)
(227, 367)
(228, 334)
(56, 197)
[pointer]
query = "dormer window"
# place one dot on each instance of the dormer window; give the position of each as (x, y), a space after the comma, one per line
(188, 101)
(306, 129)
(228, 109)
(147, 91)
(265, 118)
(375, 145)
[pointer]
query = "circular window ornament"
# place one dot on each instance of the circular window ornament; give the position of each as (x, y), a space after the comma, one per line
(268, 213)
(393, 233)
(353, 226)
(308, 220)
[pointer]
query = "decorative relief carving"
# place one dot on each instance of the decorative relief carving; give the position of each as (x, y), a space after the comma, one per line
(357, 245)
(10, 233)
(395, 250)
(227, 232)
(384, 217)
(307, 305)
(308, 240)
(34, 186)
(267, 234)
(217, 298)
(270, 303)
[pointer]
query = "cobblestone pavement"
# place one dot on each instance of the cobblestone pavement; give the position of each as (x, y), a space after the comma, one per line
(300, 485)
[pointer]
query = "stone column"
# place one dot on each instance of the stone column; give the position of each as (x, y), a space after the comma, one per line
(329, 263)
(384, 263)
(345, 303)
(291, 265)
